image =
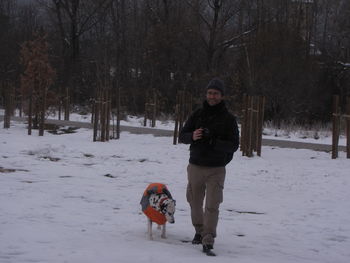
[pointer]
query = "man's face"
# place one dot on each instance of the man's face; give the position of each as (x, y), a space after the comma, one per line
(214, 97)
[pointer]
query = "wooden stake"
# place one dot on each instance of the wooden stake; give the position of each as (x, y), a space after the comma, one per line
(181, 109)
(146, 113)
(30, 114)
(108, 115)
(8, 105)
(244, 124)
(154, 113)
(260, 123)
(335, 129)
(96, 118)
(66, 105)
(255, 125)
(176, 129)
(249, 127)
(347, 127)
(118, 113)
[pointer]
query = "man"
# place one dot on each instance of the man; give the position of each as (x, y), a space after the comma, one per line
(213, 134)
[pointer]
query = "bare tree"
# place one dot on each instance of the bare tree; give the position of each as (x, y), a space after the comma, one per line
(8, 55)
(73, 19)
(213, 20)
(36, 79)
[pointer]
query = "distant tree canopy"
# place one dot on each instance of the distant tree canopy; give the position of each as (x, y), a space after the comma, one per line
(295, 52)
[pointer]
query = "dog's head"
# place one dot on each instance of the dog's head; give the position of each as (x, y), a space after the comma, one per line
(168, 209)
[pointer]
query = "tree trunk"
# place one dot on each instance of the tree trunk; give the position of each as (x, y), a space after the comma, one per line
(30, 114)
(42, 107)
(8, 105)
(66, 105)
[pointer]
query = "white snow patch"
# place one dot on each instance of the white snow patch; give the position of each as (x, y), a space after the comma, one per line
(82, 204)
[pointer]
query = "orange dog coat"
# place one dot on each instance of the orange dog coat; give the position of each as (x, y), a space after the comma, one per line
(147, 209)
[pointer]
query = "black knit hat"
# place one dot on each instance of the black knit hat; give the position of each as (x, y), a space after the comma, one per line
(217, 84)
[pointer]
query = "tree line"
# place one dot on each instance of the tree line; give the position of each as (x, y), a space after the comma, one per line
(296, 53)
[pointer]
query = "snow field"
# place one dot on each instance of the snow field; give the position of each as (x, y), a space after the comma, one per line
(73, 200)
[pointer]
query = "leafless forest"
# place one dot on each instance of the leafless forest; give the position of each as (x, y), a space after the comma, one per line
(296, 53)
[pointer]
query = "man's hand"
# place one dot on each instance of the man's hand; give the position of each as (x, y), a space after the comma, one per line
(197, 134)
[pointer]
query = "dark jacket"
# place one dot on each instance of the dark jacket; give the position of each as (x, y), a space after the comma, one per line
(222, 138)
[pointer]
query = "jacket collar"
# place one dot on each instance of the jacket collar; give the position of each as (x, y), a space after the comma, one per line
(220, 107)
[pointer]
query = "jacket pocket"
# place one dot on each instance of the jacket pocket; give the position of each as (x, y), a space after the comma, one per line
(220, 192)
(189, 195)
(219, 186)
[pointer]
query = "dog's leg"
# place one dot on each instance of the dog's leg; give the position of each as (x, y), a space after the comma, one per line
(149, 227)
(163, 231)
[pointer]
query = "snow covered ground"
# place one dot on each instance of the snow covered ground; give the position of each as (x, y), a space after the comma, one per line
(318, 135)
(64, 198)
(323, 135)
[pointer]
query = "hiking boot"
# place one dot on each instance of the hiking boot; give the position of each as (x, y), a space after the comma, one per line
(207, 249)
(197, 239)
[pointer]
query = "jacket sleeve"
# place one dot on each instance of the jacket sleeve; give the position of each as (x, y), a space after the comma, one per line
(231, 143)
(186, 132)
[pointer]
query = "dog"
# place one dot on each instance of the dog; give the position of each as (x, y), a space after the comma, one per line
(159, 207)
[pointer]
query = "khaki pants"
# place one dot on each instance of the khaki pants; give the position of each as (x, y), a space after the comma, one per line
(208, 183)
